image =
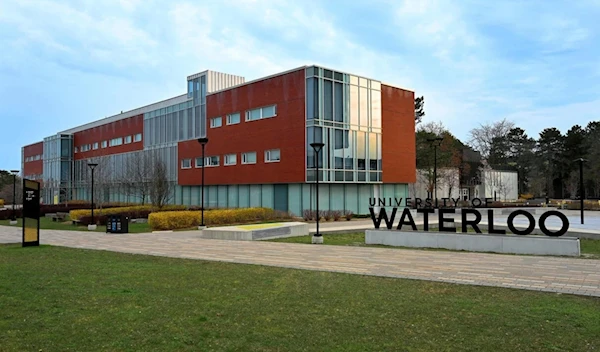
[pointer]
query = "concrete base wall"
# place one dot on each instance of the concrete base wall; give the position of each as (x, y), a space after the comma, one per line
(536, 245)
(287, 229)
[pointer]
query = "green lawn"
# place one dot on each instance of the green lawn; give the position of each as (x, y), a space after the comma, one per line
(48, 224)
(590, 249)
(59, 299)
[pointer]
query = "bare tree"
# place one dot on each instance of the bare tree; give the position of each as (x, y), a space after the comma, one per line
(7, 192)
(435, 127)
(572, 184)
(504, 187)
(160, 186)
(449, 177)
(482, 137)
(135, 179)
(103, 179)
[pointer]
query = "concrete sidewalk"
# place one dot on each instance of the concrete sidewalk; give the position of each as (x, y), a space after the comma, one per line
(549, 274)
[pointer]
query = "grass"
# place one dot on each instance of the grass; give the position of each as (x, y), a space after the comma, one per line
(48, 224)
(59, 299)
(590, 249)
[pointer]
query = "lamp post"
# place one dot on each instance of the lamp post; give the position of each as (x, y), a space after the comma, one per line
(13, 219)
(92, 224)
(317, 237)
(435, 142)
(581, 187)
(202, 142)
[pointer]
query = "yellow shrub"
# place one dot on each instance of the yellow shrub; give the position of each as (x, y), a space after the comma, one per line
(1, 202)
(526, 196)
(77, 214)
(173, 220)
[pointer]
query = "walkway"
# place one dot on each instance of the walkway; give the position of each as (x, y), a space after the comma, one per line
(551, 274)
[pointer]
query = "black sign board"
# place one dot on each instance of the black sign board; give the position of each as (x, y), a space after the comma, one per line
(31, 213)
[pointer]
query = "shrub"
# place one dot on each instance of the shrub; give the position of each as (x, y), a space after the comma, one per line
(326, 214)
(6, 214)
(1, 202)
(173, 220)
(336, 215)
(307, 215)
(348, 215)
(139, 211)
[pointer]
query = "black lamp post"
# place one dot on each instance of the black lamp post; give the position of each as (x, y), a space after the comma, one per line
(435, 142)
(581, 187)
(317, 237)
(203, 142)
(92, 224)
(13, 219)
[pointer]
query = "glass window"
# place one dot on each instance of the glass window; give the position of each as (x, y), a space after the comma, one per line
(186, 163)
(310, 98)
(310, 71)
(338, 76)
(230, 159)
(361, 150)
(272, 155)
(95, 145)
(137, 137)
(212, 161)
(127, 139)
(216, 122)
(104, 144)
(199, 162)
(327, 99)
(372, 151)
(253, 115)
(190, 88)
(181, 125)
(249, 158)
(364, 115)
(268, 111)
(234, 118)
(354, 80)
(354, 105)
(338, 98)
(327, 73)
(375, 109)
(375, 85)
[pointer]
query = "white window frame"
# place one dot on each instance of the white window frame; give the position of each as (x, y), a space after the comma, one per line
(268, 156)
(128, 139)
(104, 144)
(227, 159)
(245, 158)
(137, 138)
(186, 167)
(95, 146)
(196, 162)
(239, 118)
(248, 113)
(213, 122)
(208, 160)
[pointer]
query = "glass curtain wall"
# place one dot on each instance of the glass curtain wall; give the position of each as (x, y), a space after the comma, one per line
(57, 176)
(343, 112)
(170, 124)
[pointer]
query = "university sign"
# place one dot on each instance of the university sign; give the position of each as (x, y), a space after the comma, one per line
(470, 217)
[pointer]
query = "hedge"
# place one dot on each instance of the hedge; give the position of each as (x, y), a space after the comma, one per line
(6, 214)
(1, 202)
(139, 211)
(174, 220)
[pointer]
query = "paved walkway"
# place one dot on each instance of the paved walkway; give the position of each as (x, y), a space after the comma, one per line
(551, 274)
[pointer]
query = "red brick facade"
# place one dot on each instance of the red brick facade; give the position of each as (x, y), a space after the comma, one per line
(122, 128)
(33, 168)
(399, 154)
(285, 132)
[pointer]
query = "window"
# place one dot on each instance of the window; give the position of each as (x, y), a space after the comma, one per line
(186, 163)
(104, 144)
(76, 150)
(261, 113)
(216, 122)
(127, 139)
(212, 160)
(95, 146)
(230, 159)
(272, 155)
(116, 141)
(199, 162)
(137, 137)
(249, 158)
(232, 119)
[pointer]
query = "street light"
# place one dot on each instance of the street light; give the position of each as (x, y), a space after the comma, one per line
(435, 142)
(581, 187)
(13, 219)
(92, 224)
(317, 237)
(202, 142)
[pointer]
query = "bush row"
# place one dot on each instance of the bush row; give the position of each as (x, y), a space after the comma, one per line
(1, 202)
(327, 215)
(587, 205)
(138, 211)
(174, 220)
(6, 214)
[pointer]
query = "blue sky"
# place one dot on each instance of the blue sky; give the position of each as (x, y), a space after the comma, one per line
(71, 62)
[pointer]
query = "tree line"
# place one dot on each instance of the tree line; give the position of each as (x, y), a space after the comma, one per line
(547, 165)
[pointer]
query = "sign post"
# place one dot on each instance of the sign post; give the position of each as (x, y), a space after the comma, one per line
(31, 213)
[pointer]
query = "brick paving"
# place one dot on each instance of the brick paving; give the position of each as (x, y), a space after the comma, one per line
(550, 274)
